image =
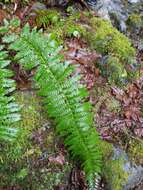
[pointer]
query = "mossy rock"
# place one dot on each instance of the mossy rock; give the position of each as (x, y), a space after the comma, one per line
(113, 168)
(114, 69)
(120, 172)
(135, 22)
(108, 40)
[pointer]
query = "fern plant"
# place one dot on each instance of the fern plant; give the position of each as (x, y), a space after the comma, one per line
(8, 107)
(63, 96)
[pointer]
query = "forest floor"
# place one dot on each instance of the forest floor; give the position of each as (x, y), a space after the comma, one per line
(44, 163)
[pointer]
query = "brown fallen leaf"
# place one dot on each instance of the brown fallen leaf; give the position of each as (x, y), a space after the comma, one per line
(60, 159)
(139, 132)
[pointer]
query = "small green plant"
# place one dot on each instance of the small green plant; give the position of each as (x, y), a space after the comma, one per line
(47, 17)
(73, 29)
(135, 21)
(53, 21)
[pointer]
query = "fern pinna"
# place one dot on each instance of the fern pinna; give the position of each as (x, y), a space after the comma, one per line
(8, 107)
(64, 96)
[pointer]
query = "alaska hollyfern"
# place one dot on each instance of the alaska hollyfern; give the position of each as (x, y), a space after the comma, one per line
(8, 107)
(63, 96)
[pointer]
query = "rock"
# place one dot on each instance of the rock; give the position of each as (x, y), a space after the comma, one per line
(57, 2)
(133, 1)
(119, 8)
(107, 6)
(38, 6)
(140, 46)
(135, 178)
(120, 173)
(122, 26)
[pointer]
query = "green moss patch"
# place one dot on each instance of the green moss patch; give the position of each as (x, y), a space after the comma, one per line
(135, 151)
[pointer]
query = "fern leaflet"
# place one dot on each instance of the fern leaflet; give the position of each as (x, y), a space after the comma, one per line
(8, 107)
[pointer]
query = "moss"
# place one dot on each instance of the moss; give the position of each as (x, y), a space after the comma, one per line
(60, 27)
(105, 39)
(107, 149)
(102, 36)
(108, 40)
(135, 21)
(114, 70)
(70, 27)
(113, 168)
(13, 154)
(115, 174)
(30, 120)
(67, 29)
(102, 93)
(73, 23)
(135, 151)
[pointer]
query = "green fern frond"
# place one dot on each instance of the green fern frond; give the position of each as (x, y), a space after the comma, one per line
(8, 107)
(64, 96)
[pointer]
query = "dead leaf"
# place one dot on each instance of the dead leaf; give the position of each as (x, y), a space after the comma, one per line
(60, 159)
